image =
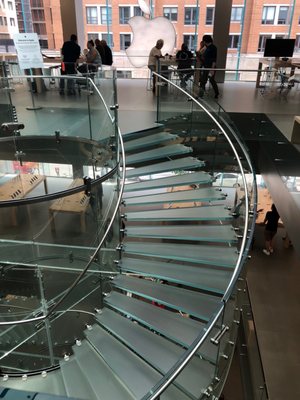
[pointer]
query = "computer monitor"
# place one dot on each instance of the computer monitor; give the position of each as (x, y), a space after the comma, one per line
(279, 48)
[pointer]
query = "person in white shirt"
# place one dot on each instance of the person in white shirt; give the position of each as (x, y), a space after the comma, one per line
(154, 55)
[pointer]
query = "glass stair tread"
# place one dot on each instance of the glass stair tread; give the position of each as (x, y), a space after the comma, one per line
(176, 327)
(138, 375)
(159, 352)
(155, 154)
(190, 302)
(209, 279)
(173, 325)
(173, 165)
(201, 213)
(175, 180)
(211, 233)
(149, 140)
(182, 196)
(52, 384)
(100, 377)
(71, 373)
(220, 256)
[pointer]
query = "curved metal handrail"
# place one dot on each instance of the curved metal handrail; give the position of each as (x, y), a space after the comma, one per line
(78, 189)
(171, 375)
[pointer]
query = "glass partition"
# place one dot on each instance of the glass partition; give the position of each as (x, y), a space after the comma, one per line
(56, 207)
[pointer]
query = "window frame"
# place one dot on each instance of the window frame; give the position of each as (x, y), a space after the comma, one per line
(193, 18)
(190, 42)
(106, 15)
(122, 34)
(264, 20)
(122, 20)
(234, 14)
(89, 18)
(212, 8)
(169, 14)
(232, 37)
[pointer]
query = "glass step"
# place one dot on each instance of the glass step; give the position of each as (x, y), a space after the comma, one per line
(148, 141)
(159, 352)
(181, 196)
(178, 328)
(98, 374)
(202, 213)
(173, 165)
(209, 233)
(190, 302)
(173, 325)
(71, 373)
(176, 180)
(161, 152)
(139, 376)
(211, 255)
(52, 384)
(209, 279)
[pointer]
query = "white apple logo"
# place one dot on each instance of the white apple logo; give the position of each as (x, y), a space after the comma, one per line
(146, 32)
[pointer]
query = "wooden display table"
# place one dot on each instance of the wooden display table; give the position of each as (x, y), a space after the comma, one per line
(18, 188)
(74, 204)
(275, 64)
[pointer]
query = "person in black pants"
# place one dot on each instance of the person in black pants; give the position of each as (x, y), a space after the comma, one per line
(70, 53)
(209, 60)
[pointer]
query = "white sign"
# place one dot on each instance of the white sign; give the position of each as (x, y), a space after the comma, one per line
(28, 50)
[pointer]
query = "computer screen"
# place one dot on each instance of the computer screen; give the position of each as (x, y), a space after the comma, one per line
(279, 48)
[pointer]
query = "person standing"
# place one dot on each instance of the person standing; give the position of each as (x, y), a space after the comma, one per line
(104, 51)
(271, 225)
(70, 53)
(209, 62)
(154, 55)
(184, 57)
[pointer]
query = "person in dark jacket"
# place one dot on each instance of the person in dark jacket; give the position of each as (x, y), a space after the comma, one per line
(209, 62)
(70, 53)
(104, 51)
(271, 225)
(184, 57)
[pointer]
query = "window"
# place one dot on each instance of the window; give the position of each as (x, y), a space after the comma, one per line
(297, 43)
(108, 37)
(171, 13)
(210, 14)
(283, 15)
(236, 14)
(43, 43)
(5, 21)
(189, 40)
(268, 17)
(37, 4)
(233, 41)
(40, 29)
(125, 40)
(92, 36)
(1, 20)
(190, 15)
(105, 13)
(262, 42)
(137, 12)
(38, 15)
(124, 15)
(12, 22)
(10, 5)
(91, 15)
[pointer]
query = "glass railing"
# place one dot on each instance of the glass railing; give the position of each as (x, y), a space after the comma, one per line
(215, 141)
(59, 228)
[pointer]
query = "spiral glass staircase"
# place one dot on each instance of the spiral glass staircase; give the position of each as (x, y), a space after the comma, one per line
(122, 278)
